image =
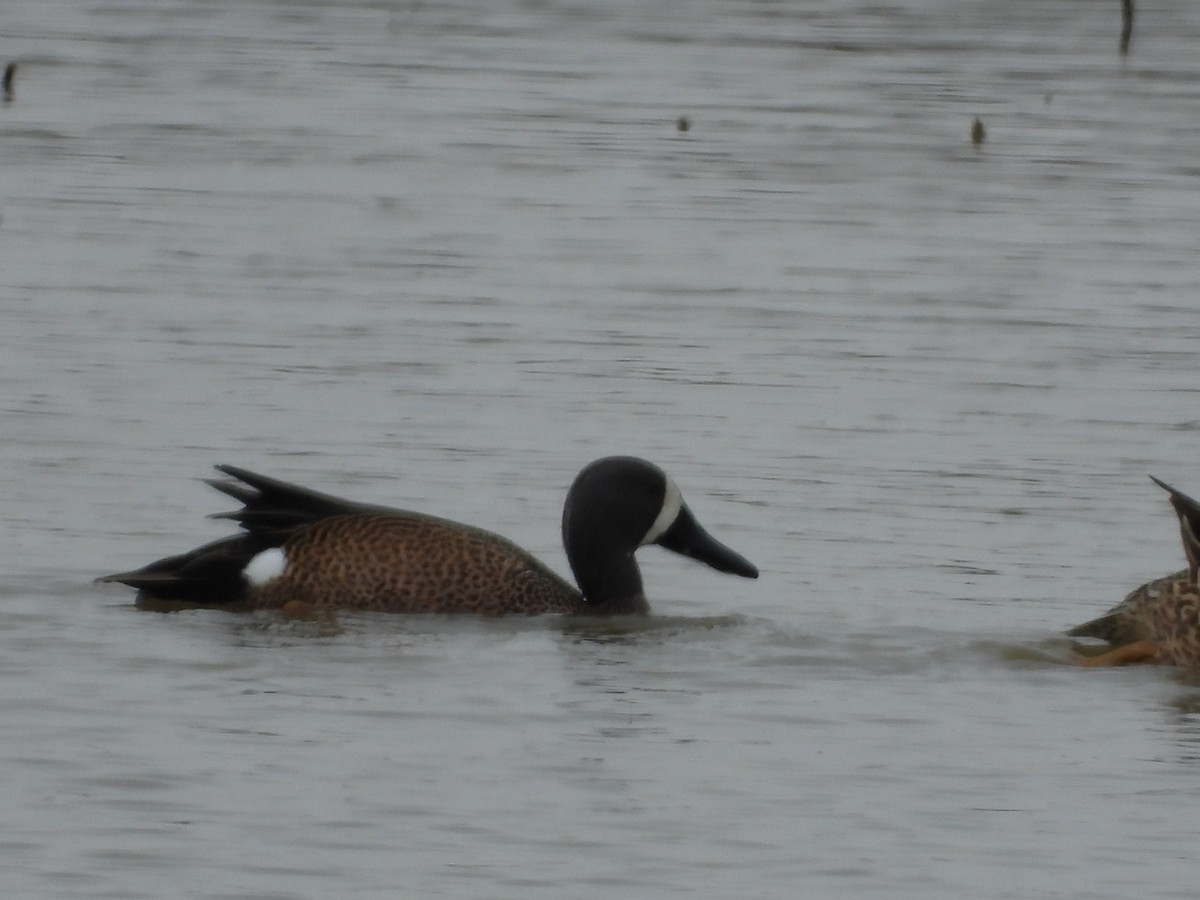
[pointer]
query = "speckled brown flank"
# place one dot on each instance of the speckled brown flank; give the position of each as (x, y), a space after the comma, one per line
(406, 564)
(1128, 621)
(1172, 624)
(1164, 612)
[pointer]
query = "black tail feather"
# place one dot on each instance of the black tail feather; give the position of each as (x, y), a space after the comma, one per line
(1188, 511)
(212, 575)
(273, 505)
(207, 576)
(238, 492)
(1184, 504)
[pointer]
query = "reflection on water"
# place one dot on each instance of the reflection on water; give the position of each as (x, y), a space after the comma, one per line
(441, 255)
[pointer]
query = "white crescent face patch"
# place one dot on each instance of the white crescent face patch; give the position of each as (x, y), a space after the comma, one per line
(266, 566)
(672, 503)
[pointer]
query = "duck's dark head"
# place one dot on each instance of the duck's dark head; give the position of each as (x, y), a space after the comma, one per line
(618, 504)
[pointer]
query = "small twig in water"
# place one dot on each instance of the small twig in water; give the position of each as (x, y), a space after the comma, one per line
(1126, 25)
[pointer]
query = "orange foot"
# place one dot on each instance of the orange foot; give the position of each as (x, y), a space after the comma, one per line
(1138, 651)
(297, 609)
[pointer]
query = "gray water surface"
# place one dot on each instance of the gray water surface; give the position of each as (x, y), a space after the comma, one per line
(440, 255)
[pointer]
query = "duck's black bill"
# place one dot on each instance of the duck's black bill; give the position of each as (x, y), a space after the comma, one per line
(687, 538)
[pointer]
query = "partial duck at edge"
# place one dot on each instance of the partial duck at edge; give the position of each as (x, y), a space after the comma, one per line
(1159, 621)
(301, 550)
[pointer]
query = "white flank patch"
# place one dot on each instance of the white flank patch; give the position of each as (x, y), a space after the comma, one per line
(672, 502)
(265, 567)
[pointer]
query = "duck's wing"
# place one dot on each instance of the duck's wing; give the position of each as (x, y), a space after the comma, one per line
(1133, 618)
(272, 512)
(1117, 627)
(271, 505)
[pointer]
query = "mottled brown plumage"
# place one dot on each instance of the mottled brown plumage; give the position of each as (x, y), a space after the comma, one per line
(1160, 620)
(412, 564)
(1164, 612)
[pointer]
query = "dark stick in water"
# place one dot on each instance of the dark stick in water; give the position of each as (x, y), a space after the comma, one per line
(1126, 25)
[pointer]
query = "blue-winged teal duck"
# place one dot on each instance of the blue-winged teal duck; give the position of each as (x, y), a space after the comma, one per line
(1159, 621)
(300, 550)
